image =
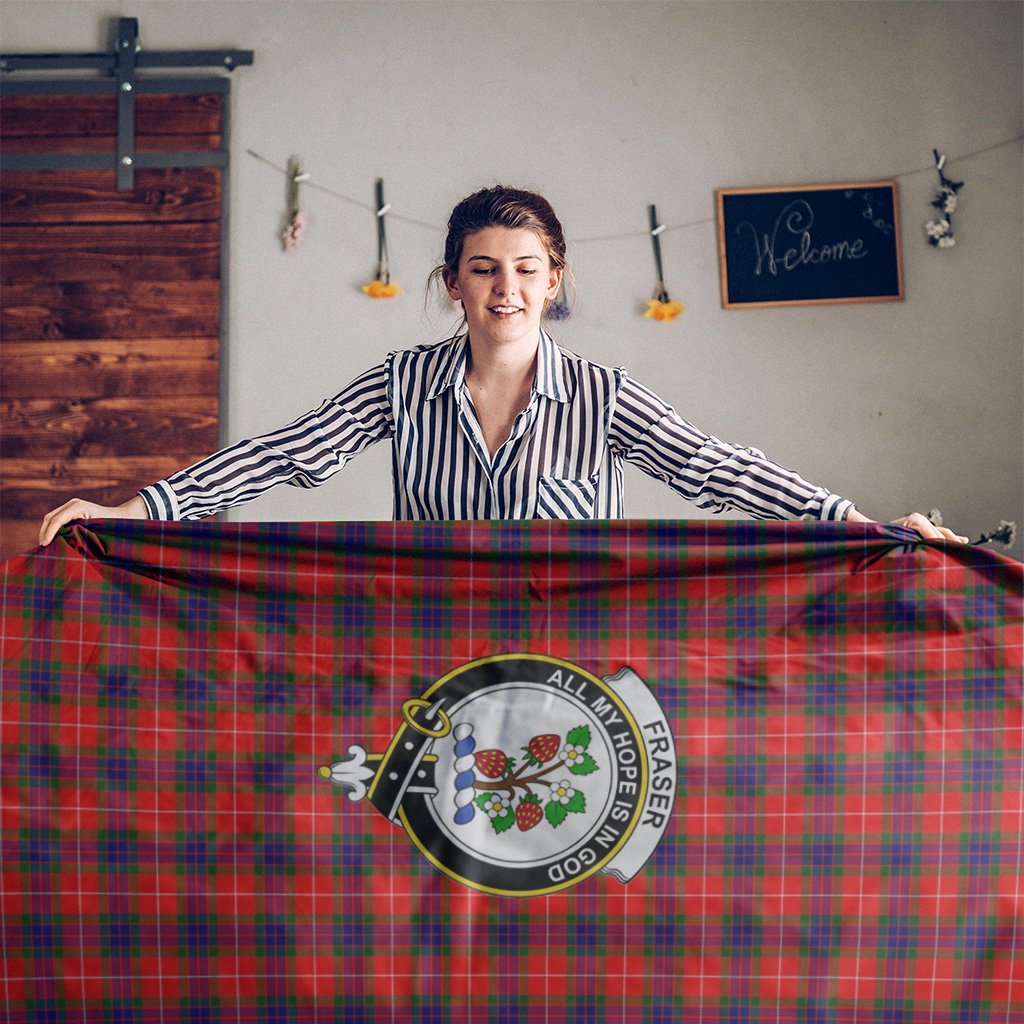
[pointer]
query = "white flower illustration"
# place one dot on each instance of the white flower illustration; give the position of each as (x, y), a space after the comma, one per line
(572, 753)
(496, 805)
(562, 792)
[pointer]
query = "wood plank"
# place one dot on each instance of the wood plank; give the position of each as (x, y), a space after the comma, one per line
(95, 252)
(110, 369)
(18, 536)
(108, 144)
(83, 116)
(54, 197)
(60, 429)
(30, 487)
(118, 309)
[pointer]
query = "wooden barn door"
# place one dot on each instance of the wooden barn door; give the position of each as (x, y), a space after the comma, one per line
(111, 298)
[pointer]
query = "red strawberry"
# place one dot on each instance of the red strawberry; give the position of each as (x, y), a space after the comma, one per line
(528, 815)
(544, 747)
(491, 763)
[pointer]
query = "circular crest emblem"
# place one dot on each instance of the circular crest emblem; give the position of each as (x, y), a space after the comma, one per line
(524, 774)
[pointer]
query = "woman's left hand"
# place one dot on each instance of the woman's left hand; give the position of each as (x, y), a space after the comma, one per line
(919, 524)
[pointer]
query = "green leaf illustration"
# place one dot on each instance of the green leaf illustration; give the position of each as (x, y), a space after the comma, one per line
(577, 803)
(481, 801)
(504, 823)
(579, 737)
(585, 767)
(556, 813)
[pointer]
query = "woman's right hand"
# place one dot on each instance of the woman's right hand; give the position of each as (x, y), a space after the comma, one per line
(77, 508)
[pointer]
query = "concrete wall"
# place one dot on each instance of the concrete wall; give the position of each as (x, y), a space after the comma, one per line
(606, 107)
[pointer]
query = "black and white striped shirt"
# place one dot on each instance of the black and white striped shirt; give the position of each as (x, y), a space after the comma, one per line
(562, 460)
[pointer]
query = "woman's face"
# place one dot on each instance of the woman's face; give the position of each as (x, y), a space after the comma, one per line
(504, 280)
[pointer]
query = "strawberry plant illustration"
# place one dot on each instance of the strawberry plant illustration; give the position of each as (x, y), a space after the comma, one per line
(538, 787)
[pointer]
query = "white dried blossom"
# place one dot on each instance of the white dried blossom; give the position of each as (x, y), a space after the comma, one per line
(937, 228)
(947, 242)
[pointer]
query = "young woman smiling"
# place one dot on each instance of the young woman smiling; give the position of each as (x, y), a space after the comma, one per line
(497, 421)
(504, 283)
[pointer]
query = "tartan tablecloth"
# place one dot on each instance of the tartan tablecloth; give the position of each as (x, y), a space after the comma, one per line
(548, 772)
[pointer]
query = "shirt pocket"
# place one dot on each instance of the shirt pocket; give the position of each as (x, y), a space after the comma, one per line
(565, 498)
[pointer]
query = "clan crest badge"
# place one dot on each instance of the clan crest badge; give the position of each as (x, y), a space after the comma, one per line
(524, 774)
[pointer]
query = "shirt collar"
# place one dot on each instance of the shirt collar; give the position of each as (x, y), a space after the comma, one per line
(551, 376)
(550, 379)
(451, 370)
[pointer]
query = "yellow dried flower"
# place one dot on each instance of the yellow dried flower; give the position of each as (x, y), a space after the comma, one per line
(657, 310)
(380, 290)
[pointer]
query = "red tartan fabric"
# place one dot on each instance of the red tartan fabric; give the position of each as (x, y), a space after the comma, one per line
(586, 772)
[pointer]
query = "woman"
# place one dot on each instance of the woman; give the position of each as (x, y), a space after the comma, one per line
(498, 422)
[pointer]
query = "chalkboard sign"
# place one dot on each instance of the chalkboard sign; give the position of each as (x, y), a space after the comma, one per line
(810, 245)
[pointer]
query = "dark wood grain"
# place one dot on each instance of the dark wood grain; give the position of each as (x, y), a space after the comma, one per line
(110, 308)
(109, 369)
(29, 488)
(100, 252)
(60, 197)
(84, 116)
(108, 144)
(116, 309)
(17, 536)
(58, 429)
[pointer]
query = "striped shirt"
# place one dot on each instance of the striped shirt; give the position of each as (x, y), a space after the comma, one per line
(562, 460)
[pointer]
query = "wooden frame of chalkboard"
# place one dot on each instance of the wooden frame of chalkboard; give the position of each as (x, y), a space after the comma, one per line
(810, 245)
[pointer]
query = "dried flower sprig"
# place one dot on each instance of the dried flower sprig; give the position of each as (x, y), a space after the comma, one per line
(660, 310)
(940, 231)
(381, 287)
(298, 219)
(1005, 533)
(660, 307)
(292, 237)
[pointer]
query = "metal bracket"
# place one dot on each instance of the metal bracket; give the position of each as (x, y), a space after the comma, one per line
(128, 46)
(123, 65)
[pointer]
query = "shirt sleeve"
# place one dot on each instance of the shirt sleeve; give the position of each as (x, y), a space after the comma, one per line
(304, 453)
(713, 474)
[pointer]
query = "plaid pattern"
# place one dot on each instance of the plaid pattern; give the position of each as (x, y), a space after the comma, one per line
(846, 844)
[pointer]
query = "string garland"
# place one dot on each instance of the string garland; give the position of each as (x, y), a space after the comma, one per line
(311, 183)
(660, 308)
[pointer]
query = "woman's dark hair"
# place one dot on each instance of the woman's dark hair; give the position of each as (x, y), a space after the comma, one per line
(500, 207)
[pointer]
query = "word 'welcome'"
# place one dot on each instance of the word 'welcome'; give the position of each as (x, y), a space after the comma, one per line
(795, 221)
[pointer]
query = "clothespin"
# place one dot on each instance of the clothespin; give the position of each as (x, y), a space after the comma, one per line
(940, 163)
(295, 177)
